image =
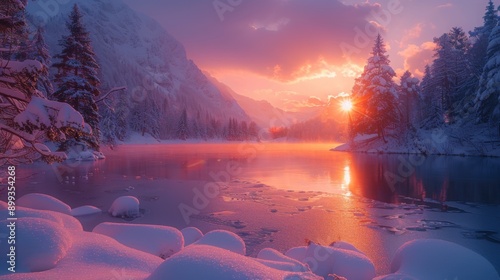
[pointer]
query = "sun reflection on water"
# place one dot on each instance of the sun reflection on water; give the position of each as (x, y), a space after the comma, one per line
(346, 182)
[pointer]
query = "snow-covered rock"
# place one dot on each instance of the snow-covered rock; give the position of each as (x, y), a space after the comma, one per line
(297, 253)
(162, 241)
(191, 235)
(43, 202)
(125, 206)
(395, 276)
(85, 210)
(346, 246)
(40, 244)
(224, 239)
(276, 260)
(55, 245)
(326, 260)
(63, 220)
(208, 262)
(438, 259)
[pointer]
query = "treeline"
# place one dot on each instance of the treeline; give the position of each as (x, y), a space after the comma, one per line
(460, 86)
(27, 117)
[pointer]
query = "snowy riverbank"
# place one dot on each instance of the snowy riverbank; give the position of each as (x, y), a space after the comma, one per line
(450, 141)
(51, 244)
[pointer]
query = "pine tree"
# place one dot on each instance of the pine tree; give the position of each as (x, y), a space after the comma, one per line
(41, 53)
(27, 119)
(409, 90)
(443, 75)
(122, 112)
(14, 34)
(429, 100)
(182, 126)
(253, 130)
(480, 35)
(487, 99)
(374, 94)
(244, 130)
(77, 78)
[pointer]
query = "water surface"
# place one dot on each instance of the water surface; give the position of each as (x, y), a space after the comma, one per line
(279, 195)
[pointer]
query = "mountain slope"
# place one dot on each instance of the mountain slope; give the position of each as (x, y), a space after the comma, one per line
(261, 112)
(135, 51)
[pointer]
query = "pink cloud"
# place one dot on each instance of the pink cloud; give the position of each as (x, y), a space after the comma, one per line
(416, 57)
(445, 6)
(283, 40)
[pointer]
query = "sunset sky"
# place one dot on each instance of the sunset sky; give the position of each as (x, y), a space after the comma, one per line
(287, 51)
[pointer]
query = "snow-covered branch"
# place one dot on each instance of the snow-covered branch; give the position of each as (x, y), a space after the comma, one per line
(109, 92)
(21, 134)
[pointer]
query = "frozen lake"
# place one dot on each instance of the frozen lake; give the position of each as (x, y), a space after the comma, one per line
(280, 195)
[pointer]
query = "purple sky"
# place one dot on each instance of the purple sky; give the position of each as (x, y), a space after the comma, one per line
(288, 50)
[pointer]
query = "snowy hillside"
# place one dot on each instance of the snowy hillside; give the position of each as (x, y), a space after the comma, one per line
(261, 112)
(135, 51)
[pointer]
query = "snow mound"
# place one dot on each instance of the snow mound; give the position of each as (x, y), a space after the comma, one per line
(277, 260)
(125, 206)
(395, 276)
(297, 253)
(191, 235)
(62, 220)
(346, 246)
(326, 260)
(162, 241)
(438, 259)
(79, 155)
(224, 239)
(208, 262)
(43, 202)
(40, 245)
(85, 210)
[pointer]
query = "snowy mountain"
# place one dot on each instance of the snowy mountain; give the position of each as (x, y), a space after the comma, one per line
(135, 51)
(260, 111)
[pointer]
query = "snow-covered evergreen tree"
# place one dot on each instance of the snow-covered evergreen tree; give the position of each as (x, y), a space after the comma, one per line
(374, 94)
(122, 111)
(429, 100)
(77, 77)
(409, 91)
(27, 119)
(41, 53)
(480, 36)
(488, 94)
(182, 126)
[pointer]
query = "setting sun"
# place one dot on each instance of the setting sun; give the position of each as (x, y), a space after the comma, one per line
(346, 105)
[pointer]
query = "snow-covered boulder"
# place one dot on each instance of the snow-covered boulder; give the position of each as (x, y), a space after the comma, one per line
(346, 246)
(40, 244)
(297, 253)
(85, 210)
(326, 260)
(43, 202)
(208, 262)
(277, 260)
(224, 239)
(62, 220)
(162, 241)
(99, 155)
(191, 235)
(395, 276)
(438, 259)
(125, 206)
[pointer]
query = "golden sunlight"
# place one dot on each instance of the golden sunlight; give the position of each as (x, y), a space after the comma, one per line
(346, 105)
